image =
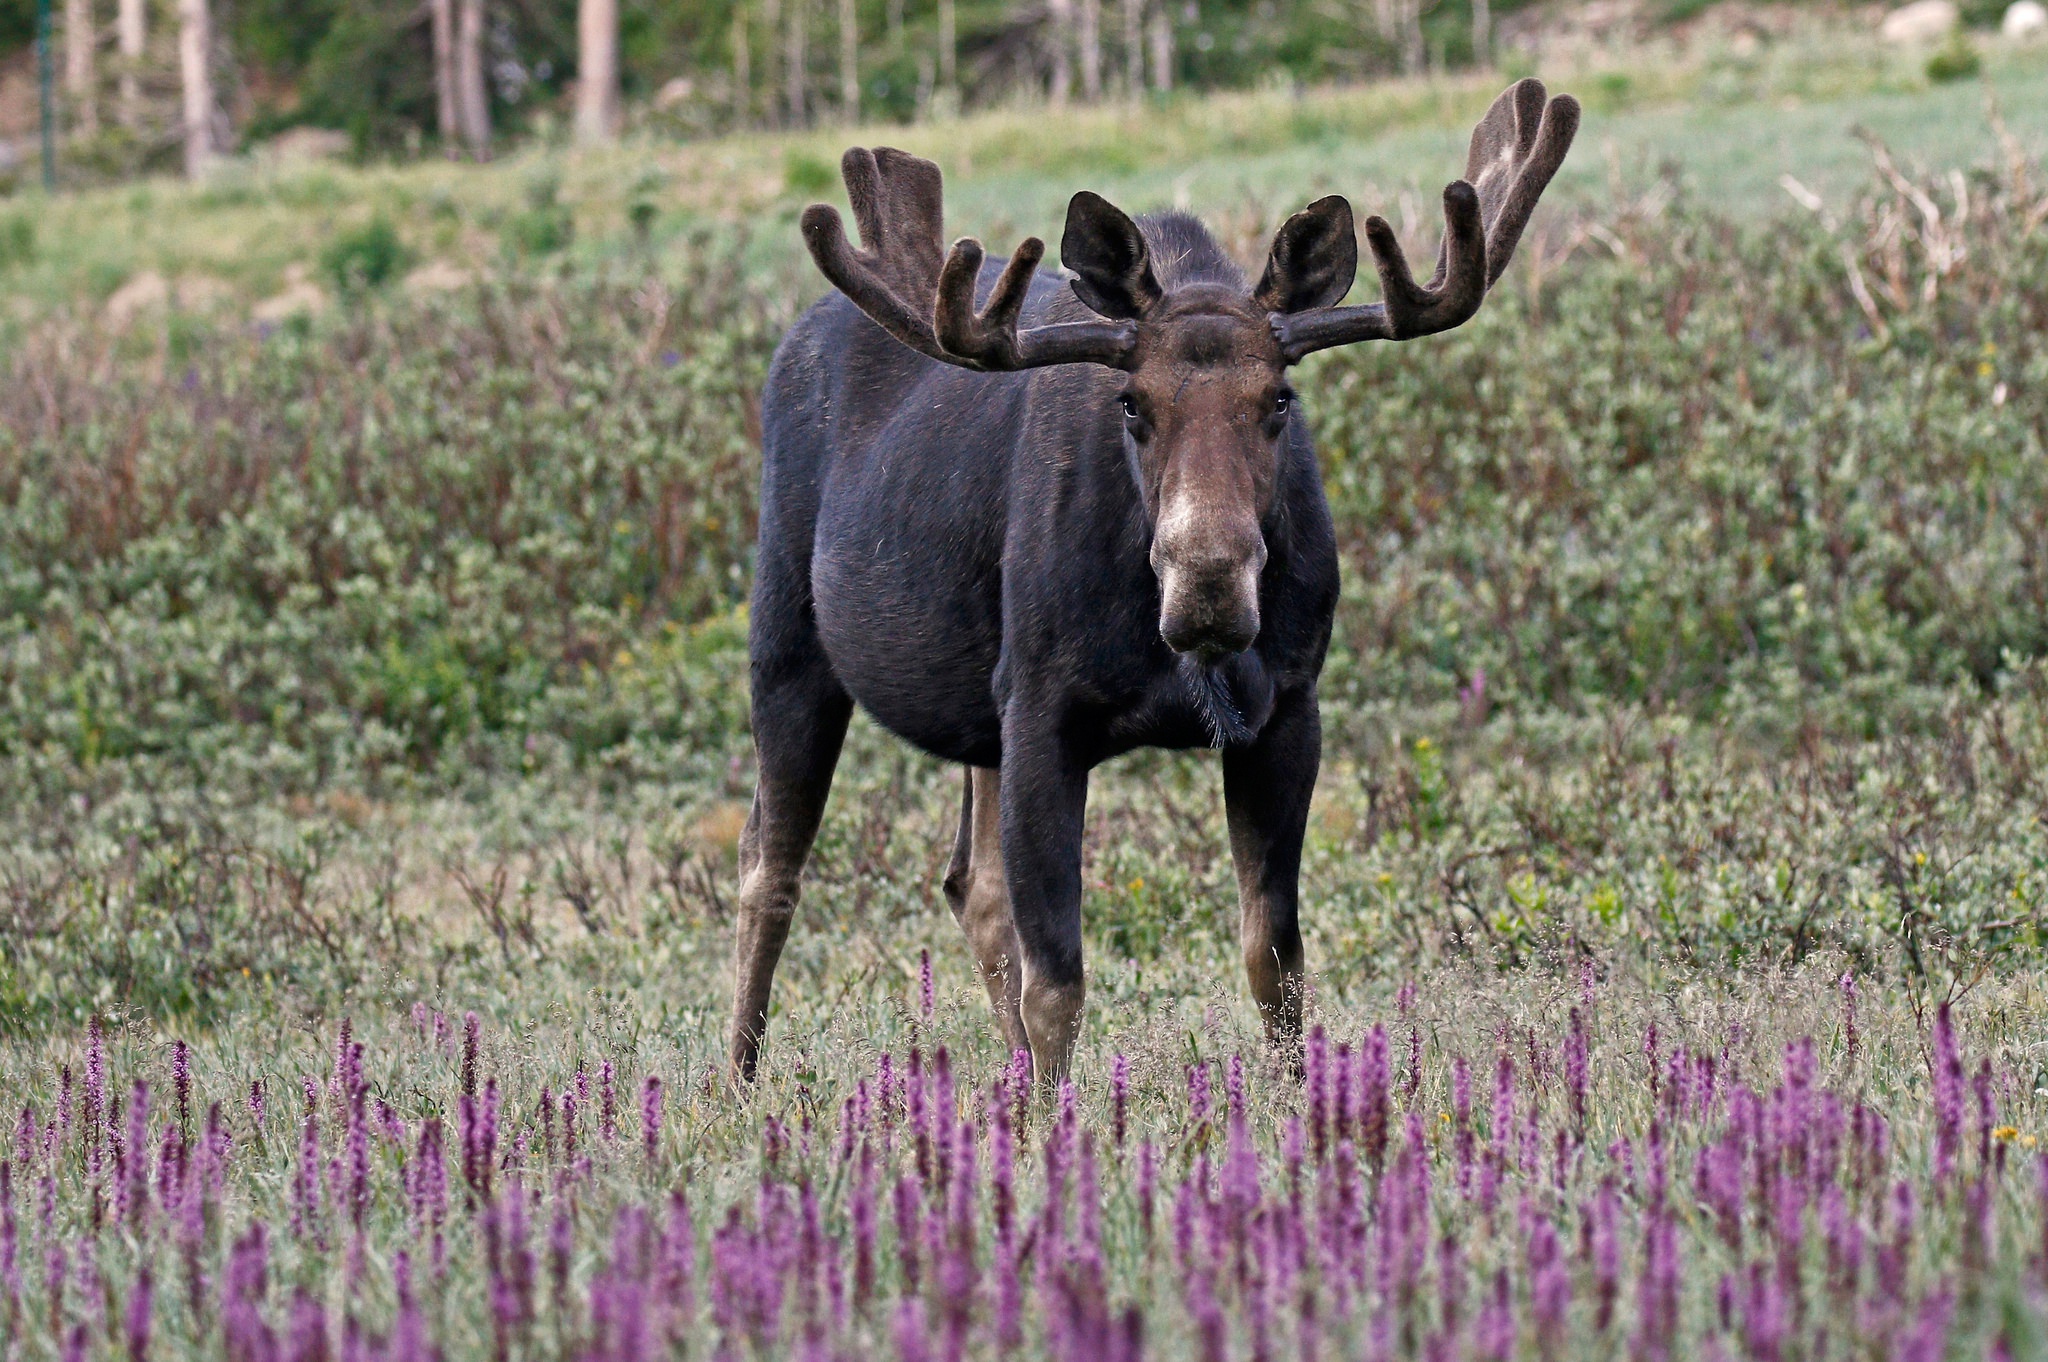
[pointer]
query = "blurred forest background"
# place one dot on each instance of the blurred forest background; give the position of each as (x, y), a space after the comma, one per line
(367, 69)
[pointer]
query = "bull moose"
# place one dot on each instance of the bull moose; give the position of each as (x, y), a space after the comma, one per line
(1031, 527)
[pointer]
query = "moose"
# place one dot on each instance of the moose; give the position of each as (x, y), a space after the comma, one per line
(1031, 527)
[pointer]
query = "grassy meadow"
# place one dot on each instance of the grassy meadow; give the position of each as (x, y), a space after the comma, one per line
(374, 545)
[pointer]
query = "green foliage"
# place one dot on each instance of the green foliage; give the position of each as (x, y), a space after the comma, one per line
(17, 240)
(807, 173)
(1957, 59)
(366, 257)
(545, 225)
(1687, 600)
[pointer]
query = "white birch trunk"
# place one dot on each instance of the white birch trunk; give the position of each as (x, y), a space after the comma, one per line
(132, 33)
(1091, 50)
(849, 62)
(1062, 51)
(441, 20)
(472, 96)
(949, 74)
(1134, 47)
(1162, 49)
(742, 66)
(771, 47)
(597, 71)
(195, 46)
(1482, 33)
(796, 63)
(81, 44)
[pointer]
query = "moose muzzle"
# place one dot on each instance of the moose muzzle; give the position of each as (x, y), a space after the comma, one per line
(1208, 586)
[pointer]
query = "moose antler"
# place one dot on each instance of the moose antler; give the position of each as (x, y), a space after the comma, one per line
(1516, 148)
(897, 277)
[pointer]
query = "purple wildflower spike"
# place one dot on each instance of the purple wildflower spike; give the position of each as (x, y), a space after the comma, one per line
(1119, 1096)
(608, 1103)
(137, 1321)
(1948, 1095)
(650, 1116)
(472, 1035)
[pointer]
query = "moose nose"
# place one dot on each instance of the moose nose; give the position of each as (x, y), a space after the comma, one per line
(1210, 607)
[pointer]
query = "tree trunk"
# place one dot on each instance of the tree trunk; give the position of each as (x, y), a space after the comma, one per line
(1134, 47)
(195, 45)
(472, 98)
(81, 43)
(1412, 54)
(771, 40)
(849, 62)
(796, 63)
(1162, 49)
(1482, 33)
(597, 71)
(132, 31)
(1091, 50)
(441, 16)
(949, 74)
(1062, 51)
(742, 66)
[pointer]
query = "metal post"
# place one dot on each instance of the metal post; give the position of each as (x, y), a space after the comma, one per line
(45, 79)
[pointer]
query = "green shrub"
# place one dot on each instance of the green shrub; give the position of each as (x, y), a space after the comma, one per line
(365, 257)
(807, 174)
(17, 240)
(545, 225)
(1955, 60)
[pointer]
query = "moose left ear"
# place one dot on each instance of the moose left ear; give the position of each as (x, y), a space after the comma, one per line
(1106, 252)
(1314, 259)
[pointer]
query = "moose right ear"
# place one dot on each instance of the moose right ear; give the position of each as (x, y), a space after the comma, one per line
(1314, 259)
(1112, 269)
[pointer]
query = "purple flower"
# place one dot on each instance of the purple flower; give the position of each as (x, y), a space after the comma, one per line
(472, 1032)
(1948, 1095)
(927, 1000)
(136, 1182)
(650, 1116)
(137, 1321)
(1119, 1096)
(1461, 1121)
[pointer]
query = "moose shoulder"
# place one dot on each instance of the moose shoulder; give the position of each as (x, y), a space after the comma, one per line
(1031, 524)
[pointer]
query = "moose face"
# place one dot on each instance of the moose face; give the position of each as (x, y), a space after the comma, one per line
(1205, 410)
(1206, 404)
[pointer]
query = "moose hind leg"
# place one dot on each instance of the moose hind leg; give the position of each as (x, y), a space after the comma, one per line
(980, 898)
(1266, 789)
(800, 716)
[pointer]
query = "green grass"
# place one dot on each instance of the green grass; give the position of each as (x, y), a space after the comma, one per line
(1726, 122)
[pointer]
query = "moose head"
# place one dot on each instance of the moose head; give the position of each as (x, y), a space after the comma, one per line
(1205, 398)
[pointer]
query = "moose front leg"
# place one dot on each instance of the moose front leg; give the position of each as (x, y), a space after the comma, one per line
(1266, 789)
(1044, 802)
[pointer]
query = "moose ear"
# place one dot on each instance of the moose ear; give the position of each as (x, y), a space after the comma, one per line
(1112, 269)
(1314, 259)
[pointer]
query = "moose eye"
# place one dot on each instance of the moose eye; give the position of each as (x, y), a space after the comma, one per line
(1130, 406)
(1283, 403)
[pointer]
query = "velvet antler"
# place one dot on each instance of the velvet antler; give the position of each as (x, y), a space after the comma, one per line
(1516, 148)
(897, 276)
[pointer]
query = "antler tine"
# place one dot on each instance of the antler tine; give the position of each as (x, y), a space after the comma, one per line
(896, 203)
(898, 279)
(1516, 149)
(990, 338)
